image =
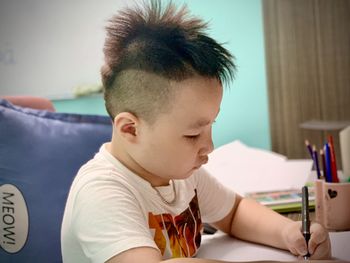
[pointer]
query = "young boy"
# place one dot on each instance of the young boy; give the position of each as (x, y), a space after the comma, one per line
(144, 196)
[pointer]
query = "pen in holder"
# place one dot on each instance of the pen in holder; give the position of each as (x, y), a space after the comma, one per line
(332, 205)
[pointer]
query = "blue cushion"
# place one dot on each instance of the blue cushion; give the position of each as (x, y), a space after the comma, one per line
(40, 153)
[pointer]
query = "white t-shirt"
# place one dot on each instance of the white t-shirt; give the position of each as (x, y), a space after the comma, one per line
(110, 209)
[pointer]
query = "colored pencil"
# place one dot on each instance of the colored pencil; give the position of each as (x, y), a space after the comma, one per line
(327, 156)
(308, 146)
(315, 155)
(335, 178)
(323, 163)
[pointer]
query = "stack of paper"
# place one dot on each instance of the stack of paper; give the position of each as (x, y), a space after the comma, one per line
(246, 169)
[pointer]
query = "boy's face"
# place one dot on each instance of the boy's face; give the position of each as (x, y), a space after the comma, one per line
(179, 141)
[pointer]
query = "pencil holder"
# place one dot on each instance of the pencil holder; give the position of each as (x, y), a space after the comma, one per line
(333, 205)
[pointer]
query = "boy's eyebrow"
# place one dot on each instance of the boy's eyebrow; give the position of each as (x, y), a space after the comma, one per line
(201, 122)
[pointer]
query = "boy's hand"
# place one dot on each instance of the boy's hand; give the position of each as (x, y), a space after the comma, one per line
(319, 245)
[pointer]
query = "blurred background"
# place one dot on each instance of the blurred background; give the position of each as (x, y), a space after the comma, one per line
(293, 60)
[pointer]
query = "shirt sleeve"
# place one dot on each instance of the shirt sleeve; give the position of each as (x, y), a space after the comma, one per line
(107, 220)
(215, 199)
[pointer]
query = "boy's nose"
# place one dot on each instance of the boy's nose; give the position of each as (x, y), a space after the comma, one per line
(207, 147)
(211, 147)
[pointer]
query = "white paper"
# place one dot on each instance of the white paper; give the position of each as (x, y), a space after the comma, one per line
(344, 140)
(247, 169)
(223, 247)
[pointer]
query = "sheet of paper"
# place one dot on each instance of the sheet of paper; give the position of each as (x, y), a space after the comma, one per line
(222, 247)
(246, 169)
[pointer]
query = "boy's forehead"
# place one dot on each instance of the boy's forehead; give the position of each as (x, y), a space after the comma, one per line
(192, 103)
(196, 102)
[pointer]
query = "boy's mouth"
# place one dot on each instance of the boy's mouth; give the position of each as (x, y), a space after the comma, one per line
(203, 160)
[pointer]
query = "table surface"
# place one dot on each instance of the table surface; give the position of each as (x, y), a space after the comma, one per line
(223, 247)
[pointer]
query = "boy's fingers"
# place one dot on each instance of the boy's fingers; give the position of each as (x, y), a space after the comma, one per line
(298, 241)
(318, 236)
(300, 246)
(293, 251)
(322, 251)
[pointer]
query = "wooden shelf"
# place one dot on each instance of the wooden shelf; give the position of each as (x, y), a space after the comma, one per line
(324, 125)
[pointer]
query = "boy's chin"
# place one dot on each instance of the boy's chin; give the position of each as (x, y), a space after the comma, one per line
(184, 174)
(192, 171)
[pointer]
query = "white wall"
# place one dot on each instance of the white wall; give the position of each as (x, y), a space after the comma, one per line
(47, 48)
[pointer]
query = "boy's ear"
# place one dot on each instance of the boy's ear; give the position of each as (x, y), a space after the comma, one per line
(126, 124)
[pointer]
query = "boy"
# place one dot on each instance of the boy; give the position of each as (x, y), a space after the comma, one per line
(144, 196)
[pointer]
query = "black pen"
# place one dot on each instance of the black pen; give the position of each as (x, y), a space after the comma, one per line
(305, 217)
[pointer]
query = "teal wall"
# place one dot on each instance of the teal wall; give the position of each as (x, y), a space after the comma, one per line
(86, 105)
(244, 110)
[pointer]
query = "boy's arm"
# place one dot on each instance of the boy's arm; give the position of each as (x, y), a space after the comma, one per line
(251, 221)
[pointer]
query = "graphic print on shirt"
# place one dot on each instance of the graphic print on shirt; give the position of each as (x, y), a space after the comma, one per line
(181, 234)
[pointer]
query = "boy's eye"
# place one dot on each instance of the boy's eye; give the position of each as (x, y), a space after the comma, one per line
(192, 137)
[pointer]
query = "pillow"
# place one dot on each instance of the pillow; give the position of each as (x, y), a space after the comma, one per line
(40, 153)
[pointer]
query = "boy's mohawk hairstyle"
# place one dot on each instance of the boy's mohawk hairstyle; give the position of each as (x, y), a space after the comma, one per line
(167, 42)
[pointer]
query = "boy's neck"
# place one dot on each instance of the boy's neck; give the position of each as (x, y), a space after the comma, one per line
(118, 152)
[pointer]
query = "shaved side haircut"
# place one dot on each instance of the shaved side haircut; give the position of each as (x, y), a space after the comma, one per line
(147, 47)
